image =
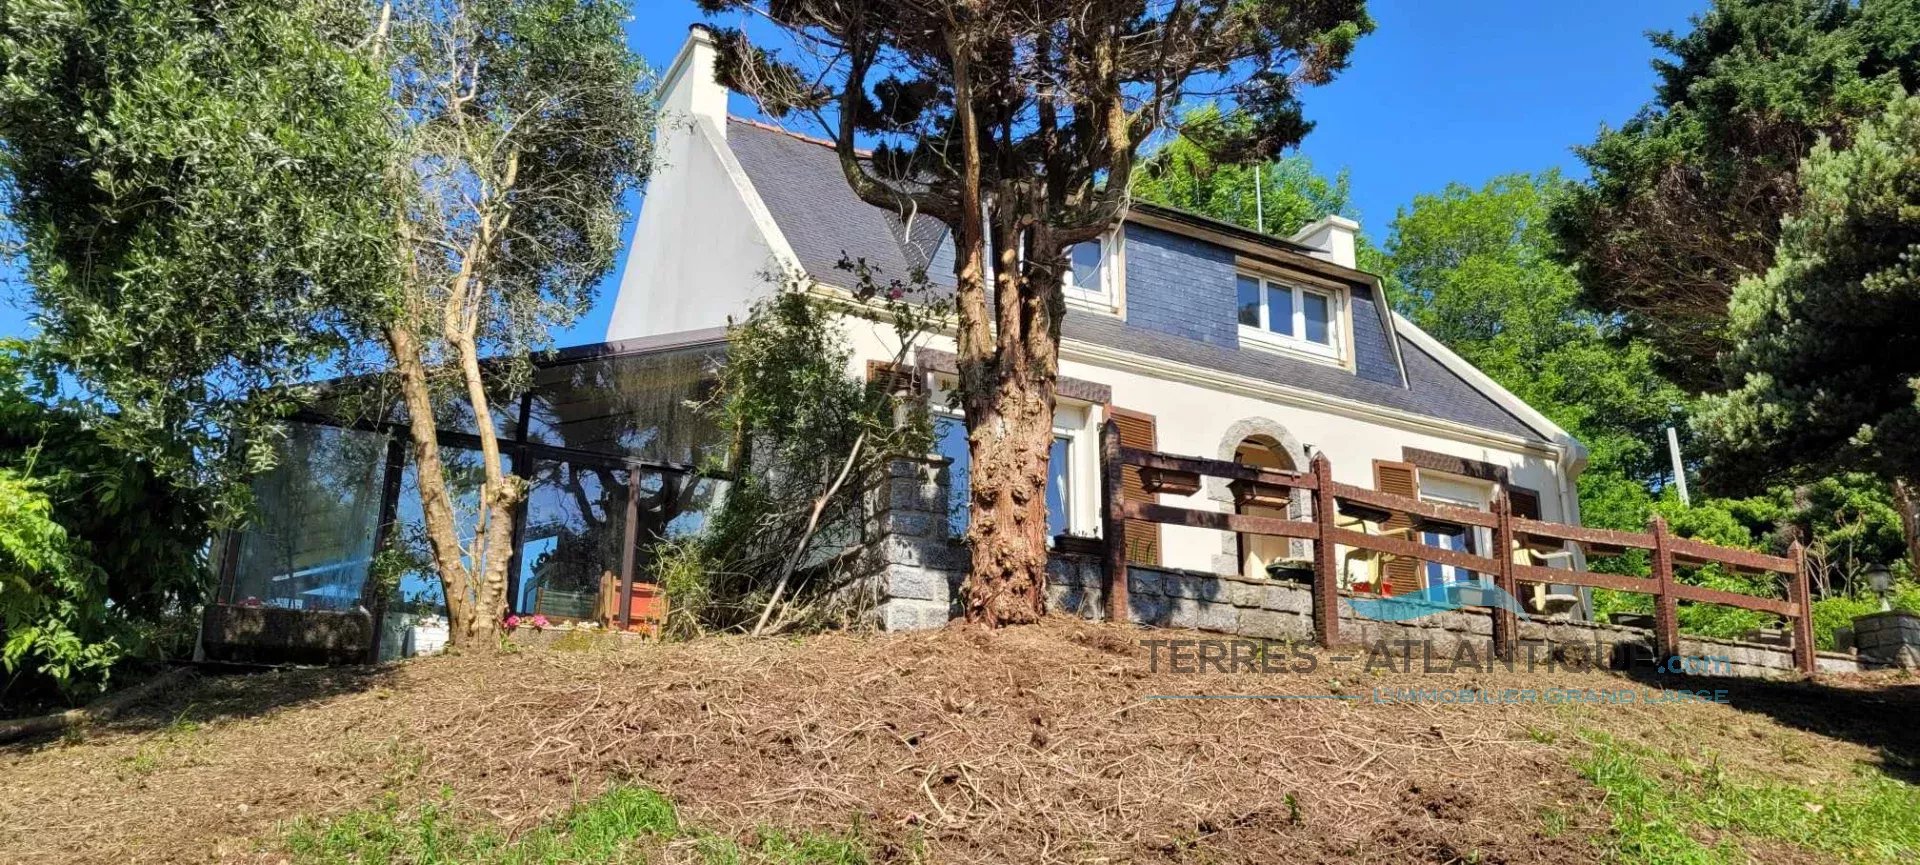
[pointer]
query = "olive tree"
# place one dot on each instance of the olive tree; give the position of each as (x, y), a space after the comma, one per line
(1018, 123)
(199, 194)
(520, 125)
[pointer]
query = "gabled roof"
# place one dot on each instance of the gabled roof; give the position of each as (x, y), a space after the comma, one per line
(800, 182)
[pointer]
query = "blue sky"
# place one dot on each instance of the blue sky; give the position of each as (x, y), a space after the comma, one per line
(1441, 92)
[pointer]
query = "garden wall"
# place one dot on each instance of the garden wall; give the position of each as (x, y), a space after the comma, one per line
(916, 568)
(1267, 609)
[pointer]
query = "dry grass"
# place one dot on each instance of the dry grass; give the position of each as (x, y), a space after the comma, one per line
(1037, 744)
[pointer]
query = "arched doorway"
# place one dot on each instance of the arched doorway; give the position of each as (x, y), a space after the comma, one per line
(1256, 552)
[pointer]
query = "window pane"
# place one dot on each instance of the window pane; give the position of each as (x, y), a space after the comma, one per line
(1280, 309)
(572, 546)
(1059, 470)
(950, 441)
(1086, 266)
(1249, 301)
(415, 622)
(641, 405)
(1319, 317)
(311, 544)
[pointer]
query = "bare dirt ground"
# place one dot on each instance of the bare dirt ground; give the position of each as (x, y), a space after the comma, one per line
(1036, 744)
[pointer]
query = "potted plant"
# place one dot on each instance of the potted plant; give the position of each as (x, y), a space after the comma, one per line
(1291, 570)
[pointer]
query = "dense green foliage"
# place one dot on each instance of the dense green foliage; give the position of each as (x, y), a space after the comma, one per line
(520, 127)
(1826, 351)
(1184, 175)
(100, 555)
(1476, 268)
(1687, 197)
(804, 433)
(199, 188)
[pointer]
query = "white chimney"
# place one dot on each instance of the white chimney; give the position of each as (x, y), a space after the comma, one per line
(689, 91)
(1331, 238)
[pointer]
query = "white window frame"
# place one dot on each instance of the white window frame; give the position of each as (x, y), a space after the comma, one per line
(1107, 296)
(1468, 494)
(1081, 508)
(1294, 339)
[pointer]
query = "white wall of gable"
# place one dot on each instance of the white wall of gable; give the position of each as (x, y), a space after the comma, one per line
(701, 247)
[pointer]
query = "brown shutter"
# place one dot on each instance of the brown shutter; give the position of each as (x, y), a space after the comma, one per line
(1399, 479)
(1525, 502)
(1143, 538)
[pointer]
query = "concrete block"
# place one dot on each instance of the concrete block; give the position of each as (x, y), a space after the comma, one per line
(1154, 610)
(916, 583)
(901, 614)
(1287, 597)
(1182, 586)
(914, 524)
(1244, 593)
(1145, 581)
(1216, 616)
(1078, 601)
(1274, 625)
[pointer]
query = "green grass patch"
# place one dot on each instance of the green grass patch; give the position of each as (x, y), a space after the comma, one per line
(1663, 805)
(626, 824)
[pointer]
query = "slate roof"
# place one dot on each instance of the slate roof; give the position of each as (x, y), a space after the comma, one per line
(800, 181)
(1433, 391)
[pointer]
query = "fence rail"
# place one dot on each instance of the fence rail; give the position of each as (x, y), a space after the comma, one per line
(1170, 474)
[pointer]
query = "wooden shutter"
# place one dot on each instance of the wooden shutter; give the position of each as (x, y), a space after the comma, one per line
(1525, 502)
(1143, 538)
(1399, 479)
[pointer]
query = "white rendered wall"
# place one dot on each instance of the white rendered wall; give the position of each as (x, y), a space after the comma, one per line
(698, 254)
(1192, 419)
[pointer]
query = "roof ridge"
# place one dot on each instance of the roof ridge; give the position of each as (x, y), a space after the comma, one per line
(822, 142)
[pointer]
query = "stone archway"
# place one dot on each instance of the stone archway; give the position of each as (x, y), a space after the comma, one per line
(1276, 436)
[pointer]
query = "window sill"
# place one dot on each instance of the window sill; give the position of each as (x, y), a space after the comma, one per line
(1090, 302)
(1286, 345)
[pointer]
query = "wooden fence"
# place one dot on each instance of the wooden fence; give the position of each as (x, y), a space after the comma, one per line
(1172, 475)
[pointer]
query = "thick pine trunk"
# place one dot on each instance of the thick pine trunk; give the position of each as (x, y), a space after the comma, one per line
(1009, 437)
(1008, 392)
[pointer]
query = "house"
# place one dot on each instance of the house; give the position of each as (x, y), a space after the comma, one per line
(1195, 336)
(1191, 336)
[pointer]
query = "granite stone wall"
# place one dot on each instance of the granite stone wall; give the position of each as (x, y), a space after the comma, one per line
(913, 564)
(1888, 639)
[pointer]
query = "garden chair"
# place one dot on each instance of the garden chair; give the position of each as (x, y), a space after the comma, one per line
(1366, 570)
(1542, 600)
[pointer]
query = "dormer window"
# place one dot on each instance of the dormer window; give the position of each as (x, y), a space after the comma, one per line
(1282, 315)
(1092, 279)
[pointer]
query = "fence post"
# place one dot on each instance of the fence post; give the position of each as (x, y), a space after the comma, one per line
(1803, 656)
(1666, 608)
(1112, 523)
(1504, 622)
(1326, 562)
